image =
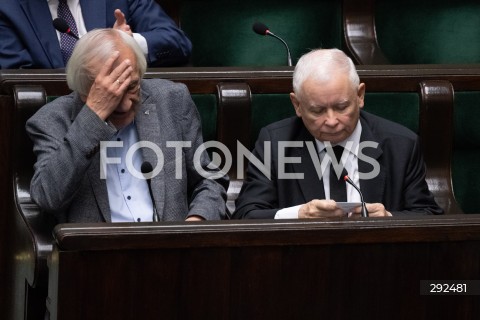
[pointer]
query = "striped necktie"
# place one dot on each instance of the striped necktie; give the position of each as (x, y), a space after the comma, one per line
(67, 43)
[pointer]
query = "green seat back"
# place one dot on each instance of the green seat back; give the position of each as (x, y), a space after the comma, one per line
(466, 155)
(268, 108)
(221, 31)
(400, 107)
(429, 31)
(207, 107)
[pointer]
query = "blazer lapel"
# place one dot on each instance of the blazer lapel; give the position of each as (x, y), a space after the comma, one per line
(311, 185)
(149, 129)
(96, 17)
(372, 189)
(38, 14)
(99, 187)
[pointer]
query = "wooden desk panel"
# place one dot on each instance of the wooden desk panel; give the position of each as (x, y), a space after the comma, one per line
(335, 269)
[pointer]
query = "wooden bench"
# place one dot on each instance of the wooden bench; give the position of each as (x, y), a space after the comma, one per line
(239, 93)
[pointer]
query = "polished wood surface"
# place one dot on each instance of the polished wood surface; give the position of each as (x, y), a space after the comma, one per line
(359, 32)
(266, 79)
(334, 269)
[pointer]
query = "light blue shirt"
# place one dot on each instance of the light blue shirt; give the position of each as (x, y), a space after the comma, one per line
(128, 196)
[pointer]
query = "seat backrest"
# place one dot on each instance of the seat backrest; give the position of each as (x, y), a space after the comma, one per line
(466, 154)
(428, 31)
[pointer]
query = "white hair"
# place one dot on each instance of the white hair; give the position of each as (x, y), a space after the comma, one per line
(322, 65)
(92, 51)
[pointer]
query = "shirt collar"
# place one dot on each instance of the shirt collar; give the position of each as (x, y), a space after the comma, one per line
(351, 143)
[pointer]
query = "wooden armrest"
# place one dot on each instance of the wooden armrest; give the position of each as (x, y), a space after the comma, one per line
(436, 134)
(234, 119)
(234, 122)
(360, 34)
(32, 229)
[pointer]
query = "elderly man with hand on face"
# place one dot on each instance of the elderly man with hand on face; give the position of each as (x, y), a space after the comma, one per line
(91, 145)
(382, 158)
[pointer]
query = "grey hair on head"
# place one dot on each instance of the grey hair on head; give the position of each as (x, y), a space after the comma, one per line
(92, 51)
(322, 65)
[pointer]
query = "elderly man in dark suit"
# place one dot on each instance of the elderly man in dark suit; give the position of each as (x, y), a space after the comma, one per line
(92, 144)
(29, 40)
(382, 158)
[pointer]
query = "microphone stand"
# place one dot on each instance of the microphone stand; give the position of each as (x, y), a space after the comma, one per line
(289, 57)
(364, 207)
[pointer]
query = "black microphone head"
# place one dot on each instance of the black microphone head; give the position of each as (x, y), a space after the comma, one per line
(260, 28)
(61, 25)
(147, 171)
(146, 167)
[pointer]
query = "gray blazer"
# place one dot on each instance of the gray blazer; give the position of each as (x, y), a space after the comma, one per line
(67, 135)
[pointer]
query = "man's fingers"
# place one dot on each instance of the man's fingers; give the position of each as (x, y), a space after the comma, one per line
(124, 80)
(120, 73)
(320, 208)
(107, 67)
(324, 204)
(120, 17)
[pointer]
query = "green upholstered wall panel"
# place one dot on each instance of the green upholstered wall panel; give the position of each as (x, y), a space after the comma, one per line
(402, 108)
(207, 107)
(429, 31)
(221, 31)
(467, 115)
(466, 187)
(268, 108)
(466, 155)
(399, 107)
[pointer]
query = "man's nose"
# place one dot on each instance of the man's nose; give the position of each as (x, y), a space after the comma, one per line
(331, 117)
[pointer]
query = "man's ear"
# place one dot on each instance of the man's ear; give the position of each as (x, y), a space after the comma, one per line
(361, 94)
(296, 104)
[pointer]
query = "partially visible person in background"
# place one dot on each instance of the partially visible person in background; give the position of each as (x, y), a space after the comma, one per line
(29, 40)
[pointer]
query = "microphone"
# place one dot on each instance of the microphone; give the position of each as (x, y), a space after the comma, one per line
(347, 179)
(262, 30)
(61, 25)
(146, 169)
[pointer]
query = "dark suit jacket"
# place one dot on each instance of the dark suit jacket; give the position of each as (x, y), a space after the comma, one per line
(28, 39)
(400, 185)
(66, 136)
